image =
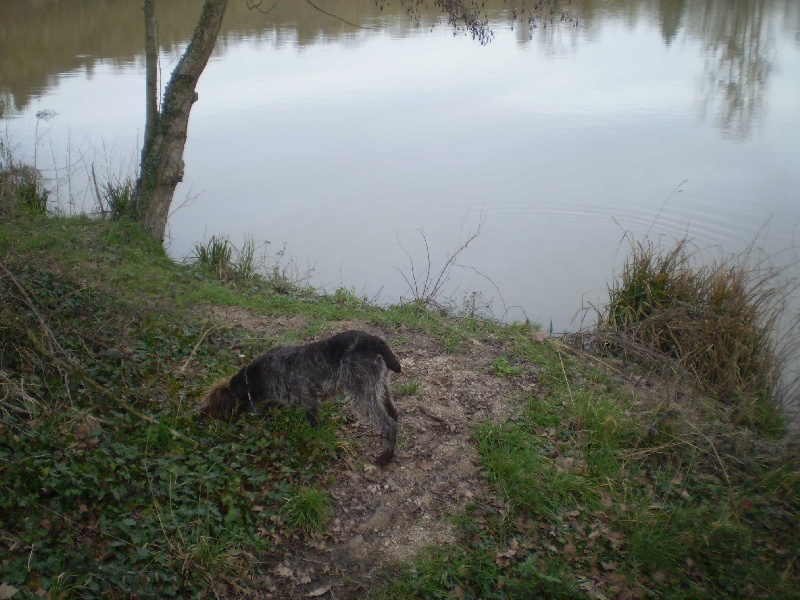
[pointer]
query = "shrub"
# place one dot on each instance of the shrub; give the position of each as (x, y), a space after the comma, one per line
(22, 186)
(719, 321)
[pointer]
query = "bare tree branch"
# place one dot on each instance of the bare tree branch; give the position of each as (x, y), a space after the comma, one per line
(336, 16)
(253, 5)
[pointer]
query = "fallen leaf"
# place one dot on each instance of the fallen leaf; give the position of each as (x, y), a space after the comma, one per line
(569, 551)
(7, 591)
(616, 538)
(318, 592)
(600, 515)
(282, 571)
(609, 565)
(659, 576)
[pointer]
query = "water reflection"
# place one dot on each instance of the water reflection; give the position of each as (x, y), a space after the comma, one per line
(340, 140)
(739, 45)
(41, 41)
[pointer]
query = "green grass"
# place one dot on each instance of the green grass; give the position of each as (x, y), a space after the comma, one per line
(307, 509)
(481, 570)
(590, 503)
(515, 460)
(407, 388)
(502, 368)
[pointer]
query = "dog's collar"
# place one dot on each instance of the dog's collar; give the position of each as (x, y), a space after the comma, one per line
(247, 384)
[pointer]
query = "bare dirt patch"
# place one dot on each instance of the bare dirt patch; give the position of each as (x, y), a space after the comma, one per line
(386, 515)
(268, 326)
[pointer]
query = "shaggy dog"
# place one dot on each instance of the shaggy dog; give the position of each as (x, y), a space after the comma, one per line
(353, 361)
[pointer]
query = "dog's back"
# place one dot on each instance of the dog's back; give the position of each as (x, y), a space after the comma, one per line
(360, 342)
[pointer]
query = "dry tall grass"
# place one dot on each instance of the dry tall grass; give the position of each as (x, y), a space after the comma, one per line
(723, 322)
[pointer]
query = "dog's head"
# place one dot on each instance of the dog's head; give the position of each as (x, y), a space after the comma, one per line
(221, 402)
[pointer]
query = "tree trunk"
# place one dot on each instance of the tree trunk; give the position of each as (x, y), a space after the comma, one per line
(161, 169)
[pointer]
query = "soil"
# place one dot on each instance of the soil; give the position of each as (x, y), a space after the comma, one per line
(383, 516)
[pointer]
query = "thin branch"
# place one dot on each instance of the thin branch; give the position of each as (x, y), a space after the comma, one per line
(196, 346)
(30, 304)
(253, 5)
(337, 16)
(19, 391)
(99, 196)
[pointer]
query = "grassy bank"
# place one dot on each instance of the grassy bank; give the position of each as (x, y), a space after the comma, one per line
(599, 480)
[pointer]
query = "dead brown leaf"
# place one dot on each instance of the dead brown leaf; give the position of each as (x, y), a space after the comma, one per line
(570, 552)
(282, 571)
(318, 592)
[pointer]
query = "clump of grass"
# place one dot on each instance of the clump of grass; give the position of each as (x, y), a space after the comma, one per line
(120, 197)
(227, 262)
(307, 509)
(22, 185)
(502, 368)
(245, 265)
(216, 256)
(718, 321)
(409, 388)
(348, 298)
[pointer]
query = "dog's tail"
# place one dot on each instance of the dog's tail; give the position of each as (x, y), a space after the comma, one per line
(377, 345)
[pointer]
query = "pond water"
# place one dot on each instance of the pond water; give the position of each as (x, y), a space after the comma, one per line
(346, 145)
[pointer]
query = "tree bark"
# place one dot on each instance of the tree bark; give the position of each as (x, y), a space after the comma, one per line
(161, 169)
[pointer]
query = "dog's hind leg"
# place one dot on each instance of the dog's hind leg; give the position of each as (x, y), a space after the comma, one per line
(385, 457)
(311, 405)
(366, 384)
(387, 402)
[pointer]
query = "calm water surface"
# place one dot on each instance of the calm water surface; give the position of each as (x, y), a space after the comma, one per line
(661, 118)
